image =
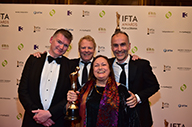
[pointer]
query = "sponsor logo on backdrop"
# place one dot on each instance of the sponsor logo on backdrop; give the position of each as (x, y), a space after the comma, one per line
(167, 68)
(182, 105)
(20, 28)
(4, 63)
(102, 30)
(5, 98)
(20, 63)
(69, 48)
(5, 46)
(134, 49)
(184, 50)
(151, 14)
(183, 87)
(184, 68)
(150, 31)
(173, 124)
(21, 12)
(184, 14)
(185, 32)
(69, 12)
(129, 22)
(52, 12)
(167, 31)
(37, 12)
(168, 87)
(85, 13)
(15, 98)
(47, 46)
(4, 16)
(18, 81)
(37, 29)
(36, 47)
(102, 14)
(165, 105)
(54, 29)
(168, 14)
(167, 50)
(19, 116)
(150, 103)
(101, 49)
(150, 50)
(4, 19)
(20, 47)
(69, 29)
(85, 30)
(4, 115)
(154, 67)
(5, 80)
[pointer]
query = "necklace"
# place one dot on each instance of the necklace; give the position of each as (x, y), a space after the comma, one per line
(97, 90)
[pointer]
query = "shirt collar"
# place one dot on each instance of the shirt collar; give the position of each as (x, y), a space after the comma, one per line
(82, 60)
(48, 54)
(126, 61)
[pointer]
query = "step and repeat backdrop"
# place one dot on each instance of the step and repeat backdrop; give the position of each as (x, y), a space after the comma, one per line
(160, 34)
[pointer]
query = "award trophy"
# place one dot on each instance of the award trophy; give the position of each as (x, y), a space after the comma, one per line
(73, 110)
(118, 22)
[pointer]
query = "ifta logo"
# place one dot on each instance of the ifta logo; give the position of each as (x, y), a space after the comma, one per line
(4, 20)
(129, 22)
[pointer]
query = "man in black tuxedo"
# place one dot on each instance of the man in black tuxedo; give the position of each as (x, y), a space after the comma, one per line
(136, 75)
(86, 47)
(44, 84)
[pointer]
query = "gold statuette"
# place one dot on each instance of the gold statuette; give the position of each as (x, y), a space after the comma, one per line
(73, 110)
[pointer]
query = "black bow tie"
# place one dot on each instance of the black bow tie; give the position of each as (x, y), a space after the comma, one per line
(50, 59)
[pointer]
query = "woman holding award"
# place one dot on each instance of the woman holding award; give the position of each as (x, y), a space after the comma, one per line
(102, 101)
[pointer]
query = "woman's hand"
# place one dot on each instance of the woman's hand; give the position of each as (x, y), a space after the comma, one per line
(72, 96)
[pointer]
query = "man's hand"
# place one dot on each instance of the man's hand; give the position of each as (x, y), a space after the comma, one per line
(135, 57)
(48, 123)
(132, 100)
(38, 54)
(41, 115)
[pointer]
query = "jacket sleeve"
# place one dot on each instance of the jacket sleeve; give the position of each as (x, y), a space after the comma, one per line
(150, 84)
(23, 89)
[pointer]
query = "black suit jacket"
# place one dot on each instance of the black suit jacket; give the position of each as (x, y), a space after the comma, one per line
(142, 82)
(29, 91)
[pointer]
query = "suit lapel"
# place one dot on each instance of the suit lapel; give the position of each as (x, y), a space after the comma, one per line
(132, 71)
(78, 83)
(38, 67)
(63, 73)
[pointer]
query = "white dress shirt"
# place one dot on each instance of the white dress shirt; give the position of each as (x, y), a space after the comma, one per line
(81, 66)
(49, 77)
(117, 71)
